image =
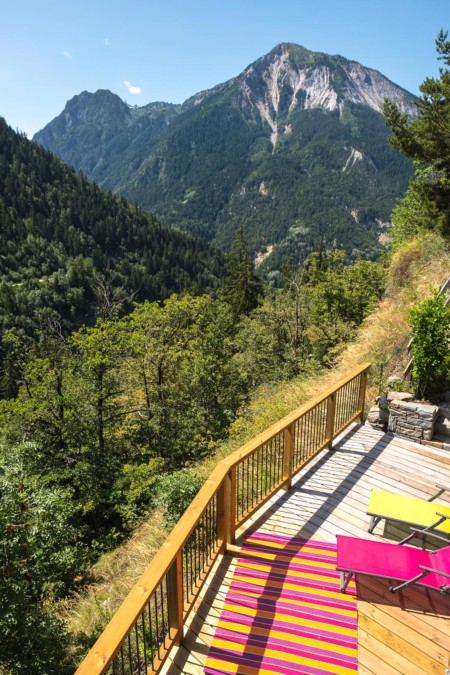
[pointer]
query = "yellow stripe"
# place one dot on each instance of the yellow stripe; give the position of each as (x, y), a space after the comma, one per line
(337, 595)
(285, 549)
(244, 562)
(302, 603)
(288, 546)
(288, 637)
(250, 612)
(291, 573)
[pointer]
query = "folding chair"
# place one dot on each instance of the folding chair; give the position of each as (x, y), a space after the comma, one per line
(394, 562)
(411, 510)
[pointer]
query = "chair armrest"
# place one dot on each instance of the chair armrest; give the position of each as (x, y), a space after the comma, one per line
(441, 490)
(432, 571)
(443, 516)
(416, 532)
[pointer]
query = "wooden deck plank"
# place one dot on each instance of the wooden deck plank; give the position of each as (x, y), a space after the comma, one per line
(408, 632)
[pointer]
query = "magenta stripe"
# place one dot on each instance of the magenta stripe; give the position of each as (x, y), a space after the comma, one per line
(311, 633)
(279, 624)
(296, 613)
(238, 590)
(270, 662)
(295, 541)
(306, 651)
(291, 595)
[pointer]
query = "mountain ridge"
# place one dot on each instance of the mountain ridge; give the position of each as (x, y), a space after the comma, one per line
(293, 124)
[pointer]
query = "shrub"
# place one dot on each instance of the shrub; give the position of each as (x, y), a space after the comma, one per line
(176, 491)
(430, 321)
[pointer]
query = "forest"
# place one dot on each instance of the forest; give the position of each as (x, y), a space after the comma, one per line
(64, 242)
(97, 420)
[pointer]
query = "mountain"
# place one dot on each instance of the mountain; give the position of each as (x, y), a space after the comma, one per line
(64, 240)
(295, 148)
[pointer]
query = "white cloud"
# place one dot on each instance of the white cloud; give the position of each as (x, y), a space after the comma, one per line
(107, 42)
(132, 88)
(67, 54)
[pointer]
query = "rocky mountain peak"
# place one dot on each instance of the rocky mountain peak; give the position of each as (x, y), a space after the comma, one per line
(290, 77)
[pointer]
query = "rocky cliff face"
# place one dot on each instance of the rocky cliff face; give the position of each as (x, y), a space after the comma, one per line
(291, 77)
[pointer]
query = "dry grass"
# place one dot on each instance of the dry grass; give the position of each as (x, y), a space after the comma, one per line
(415, 272)
(113, 576)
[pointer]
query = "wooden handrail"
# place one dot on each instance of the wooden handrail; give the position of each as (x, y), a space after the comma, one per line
(221, 485)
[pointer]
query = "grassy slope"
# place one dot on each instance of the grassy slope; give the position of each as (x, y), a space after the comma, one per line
(415, 270)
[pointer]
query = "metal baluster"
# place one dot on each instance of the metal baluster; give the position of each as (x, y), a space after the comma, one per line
(138, 651)
(157, 624)
(151, 632)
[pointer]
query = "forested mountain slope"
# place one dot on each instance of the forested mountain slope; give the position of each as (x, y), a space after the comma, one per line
(62, 238)
(257, 150)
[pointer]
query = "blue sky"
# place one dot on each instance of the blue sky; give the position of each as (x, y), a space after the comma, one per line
(153, 50)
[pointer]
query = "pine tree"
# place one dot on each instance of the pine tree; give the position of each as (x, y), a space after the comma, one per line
(426, 139)
(242, 288)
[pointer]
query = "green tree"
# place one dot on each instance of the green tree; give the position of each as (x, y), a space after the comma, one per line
(242, 288)
(40, 555)
(426, 139)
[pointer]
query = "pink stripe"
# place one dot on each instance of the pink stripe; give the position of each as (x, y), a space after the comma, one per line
(277, 665)
(280, 624)
(297, 541)
(283, 554)
(296, 613)
(279, 569)
(275, 577)
(305, 651)
(311, 633)
(292, 595)
(273, 602)
(238, 589)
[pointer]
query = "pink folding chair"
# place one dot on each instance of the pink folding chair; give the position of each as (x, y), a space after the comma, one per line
(404, 564)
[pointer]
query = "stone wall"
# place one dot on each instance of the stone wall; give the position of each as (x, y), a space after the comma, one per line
(412, 420)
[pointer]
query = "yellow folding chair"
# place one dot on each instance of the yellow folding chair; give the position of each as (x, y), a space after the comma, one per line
(426, 514)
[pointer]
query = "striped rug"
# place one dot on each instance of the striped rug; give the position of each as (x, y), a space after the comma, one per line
(284, 613)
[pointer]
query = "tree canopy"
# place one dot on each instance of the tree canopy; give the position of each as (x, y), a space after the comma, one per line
(426, 139)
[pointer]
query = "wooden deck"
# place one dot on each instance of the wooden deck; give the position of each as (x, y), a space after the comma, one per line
(406, 633)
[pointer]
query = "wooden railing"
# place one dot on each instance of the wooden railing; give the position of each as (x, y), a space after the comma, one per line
(151, 619)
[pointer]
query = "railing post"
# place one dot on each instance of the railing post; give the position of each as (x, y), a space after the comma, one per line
(226, 510)
(232, 504)
(289, 445)
(331, 413)
(362, 396)
(175, 598)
